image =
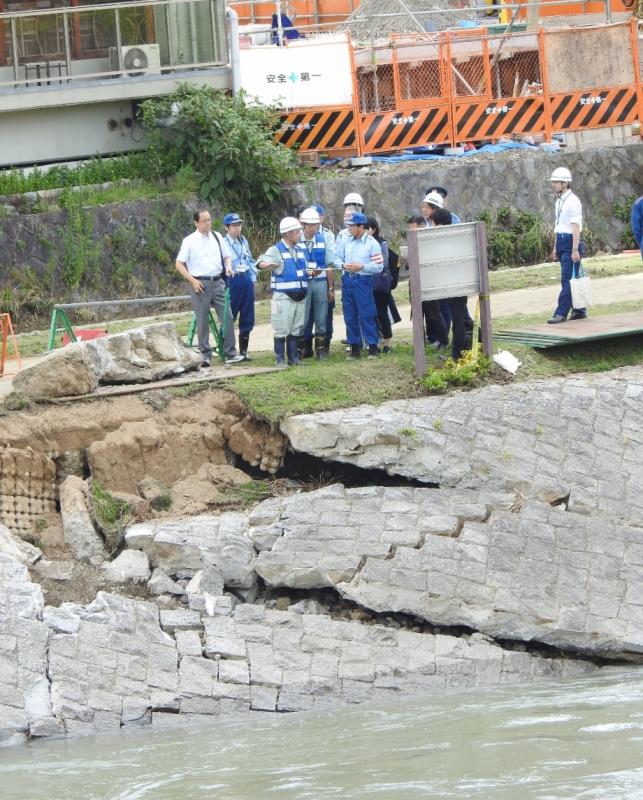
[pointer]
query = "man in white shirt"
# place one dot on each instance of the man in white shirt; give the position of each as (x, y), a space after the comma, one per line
(568, 248)
(203, 261)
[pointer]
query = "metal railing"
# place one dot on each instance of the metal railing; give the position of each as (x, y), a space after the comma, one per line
(111, 40)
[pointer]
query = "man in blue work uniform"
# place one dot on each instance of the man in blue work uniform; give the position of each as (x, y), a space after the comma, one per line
(289, 282)
(568, 247)
(636, 218)
(321, 288)
(359, 256)
(242, 281)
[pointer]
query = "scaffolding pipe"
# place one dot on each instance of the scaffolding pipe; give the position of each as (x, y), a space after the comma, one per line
(235, 58)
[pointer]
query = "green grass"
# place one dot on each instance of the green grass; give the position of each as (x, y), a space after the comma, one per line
(333, 383)
(338, 383)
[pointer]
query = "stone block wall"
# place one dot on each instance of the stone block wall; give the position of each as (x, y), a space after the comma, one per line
(27, 488)
(516, 179)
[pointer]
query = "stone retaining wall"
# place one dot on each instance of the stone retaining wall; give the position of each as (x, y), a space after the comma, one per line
(517, 179)
(120, 662)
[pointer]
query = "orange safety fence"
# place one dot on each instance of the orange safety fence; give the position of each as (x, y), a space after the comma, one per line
(455, 87)
(310, 12)
(6, 333)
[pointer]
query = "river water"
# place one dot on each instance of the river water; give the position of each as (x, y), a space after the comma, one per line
(581, 738)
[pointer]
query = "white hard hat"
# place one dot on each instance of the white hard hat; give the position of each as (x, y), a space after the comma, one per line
(353, 199)
(289, 224)
(561, 174)
(434, 199)
(310, 216)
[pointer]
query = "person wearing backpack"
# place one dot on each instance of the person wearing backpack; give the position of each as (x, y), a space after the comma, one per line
(382, 283)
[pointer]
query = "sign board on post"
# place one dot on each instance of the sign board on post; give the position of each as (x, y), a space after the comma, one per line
(448, 261)
(308, 72)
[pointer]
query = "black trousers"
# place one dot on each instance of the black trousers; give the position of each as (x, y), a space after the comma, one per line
(434, 324)
(383, 319)
(458, 306)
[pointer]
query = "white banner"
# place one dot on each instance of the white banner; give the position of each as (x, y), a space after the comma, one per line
(307, 72)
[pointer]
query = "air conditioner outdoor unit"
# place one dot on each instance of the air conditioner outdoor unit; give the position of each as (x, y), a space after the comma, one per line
(138, 59)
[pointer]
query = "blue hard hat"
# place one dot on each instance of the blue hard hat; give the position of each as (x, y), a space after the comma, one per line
(320, 210)
(230, 219)
(358, 219)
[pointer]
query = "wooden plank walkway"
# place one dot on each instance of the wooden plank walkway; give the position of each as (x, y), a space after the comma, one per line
(607, 326)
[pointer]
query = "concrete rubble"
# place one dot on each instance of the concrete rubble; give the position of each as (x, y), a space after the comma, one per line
(135, 356)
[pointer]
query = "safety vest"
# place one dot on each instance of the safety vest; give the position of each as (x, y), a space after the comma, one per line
(318, 253)
(293, 277)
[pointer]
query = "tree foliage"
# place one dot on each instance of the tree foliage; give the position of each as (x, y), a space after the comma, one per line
(228, 141)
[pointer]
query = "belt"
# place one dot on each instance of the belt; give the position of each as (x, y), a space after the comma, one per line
(355, 275)
(241, 270)
(207, 277)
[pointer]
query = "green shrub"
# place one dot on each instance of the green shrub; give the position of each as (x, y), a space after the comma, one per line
(516, 238)
(227, 141)
(623, 212)
(466, 371)
(96, 170)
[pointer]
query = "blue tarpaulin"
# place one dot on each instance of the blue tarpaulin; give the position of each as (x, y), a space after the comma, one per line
(487, 148)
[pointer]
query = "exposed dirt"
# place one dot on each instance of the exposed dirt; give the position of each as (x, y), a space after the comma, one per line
(189, 445)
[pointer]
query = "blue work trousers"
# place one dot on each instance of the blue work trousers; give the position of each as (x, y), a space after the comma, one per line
(360, 314)
(567, 269)
(242, 301)
(316, 308)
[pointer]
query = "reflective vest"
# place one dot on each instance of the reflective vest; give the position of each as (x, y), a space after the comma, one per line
(318, 253)
(293, 277)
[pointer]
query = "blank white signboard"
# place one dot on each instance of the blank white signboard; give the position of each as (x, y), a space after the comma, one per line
(448, 261)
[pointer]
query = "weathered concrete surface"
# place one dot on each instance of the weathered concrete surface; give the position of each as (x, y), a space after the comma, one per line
(80, 534)
(134, 356)
(120, 662)
(24, 690)
(15, 547)
(584, 433)
(186, 546)
(513, 569)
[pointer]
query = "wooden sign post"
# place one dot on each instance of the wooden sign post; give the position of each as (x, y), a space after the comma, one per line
(448, 261)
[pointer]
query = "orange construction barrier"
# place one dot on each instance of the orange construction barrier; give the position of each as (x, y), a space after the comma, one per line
(461, 86)
(6, 330)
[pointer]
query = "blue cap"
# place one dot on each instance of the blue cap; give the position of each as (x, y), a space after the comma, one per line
(358, 219)
(230, 219)
(320, 210)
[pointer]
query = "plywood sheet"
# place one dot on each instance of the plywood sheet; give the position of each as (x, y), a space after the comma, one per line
(577, 59)
(607, 326)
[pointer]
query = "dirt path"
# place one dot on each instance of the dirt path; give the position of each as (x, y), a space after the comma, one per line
(606, 291)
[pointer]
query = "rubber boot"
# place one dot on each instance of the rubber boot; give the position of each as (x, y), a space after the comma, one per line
(320, 347)
(327, 340)
(355, 351)
(244, 338)
(280, 351)
(293, 353)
